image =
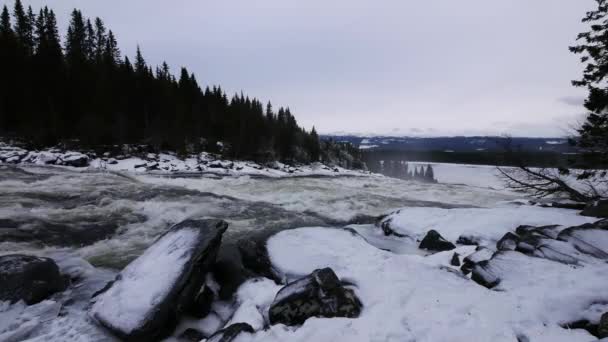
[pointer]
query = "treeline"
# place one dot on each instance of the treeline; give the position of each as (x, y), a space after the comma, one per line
(507, 158)
(83, 89)
(401, 169)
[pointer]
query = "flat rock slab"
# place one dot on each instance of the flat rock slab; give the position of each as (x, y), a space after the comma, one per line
(147, 297)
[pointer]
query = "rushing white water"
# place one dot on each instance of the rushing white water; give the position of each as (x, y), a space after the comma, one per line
(115, 216)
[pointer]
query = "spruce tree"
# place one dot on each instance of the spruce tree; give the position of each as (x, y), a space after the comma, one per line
(23, 28)
(140, 63)
(593, 135)
(5, 23)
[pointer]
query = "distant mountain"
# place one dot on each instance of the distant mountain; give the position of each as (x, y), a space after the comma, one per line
(454, 144)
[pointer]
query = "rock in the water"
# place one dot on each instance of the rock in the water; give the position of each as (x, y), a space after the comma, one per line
(202, 303)
(433, 241)
(230, 333)
(319, 294)
(148, 296)
(596, 209)
(589, 238)
(191, 335)
(29, 278)
(602, 329)
(508, 242)
(455, 260)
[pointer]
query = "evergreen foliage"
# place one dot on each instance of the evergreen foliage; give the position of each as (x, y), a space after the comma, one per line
(87, 91)
(593, 135)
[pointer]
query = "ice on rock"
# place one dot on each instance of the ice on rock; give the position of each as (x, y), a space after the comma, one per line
(156, 287)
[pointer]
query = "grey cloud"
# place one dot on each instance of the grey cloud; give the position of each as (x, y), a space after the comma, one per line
(365, 65)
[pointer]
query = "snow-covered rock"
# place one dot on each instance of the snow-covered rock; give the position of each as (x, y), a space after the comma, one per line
(413, 298)
(508, 242)
(154, 289)
(590, 238)
(29, 278)
(320, 294)
(230, 333)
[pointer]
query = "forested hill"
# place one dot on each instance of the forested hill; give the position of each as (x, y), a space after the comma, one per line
(81, 88)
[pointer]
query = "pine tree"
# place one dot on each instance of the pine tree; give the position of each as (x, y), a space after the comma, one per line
(140, 63)
(429, 175)
(111, 53)
(24, 28)
(100, 39)
(593, 135)
(75, 47)
(5, 24)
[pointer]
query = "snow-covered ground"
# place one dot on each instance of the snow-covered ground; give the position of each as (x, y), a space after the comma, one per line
(407, 294)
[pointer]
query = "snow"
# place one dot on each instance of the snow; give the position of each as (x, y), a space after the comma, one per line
(413, 298)
(408, 294)
(488, 224)
(146, 281)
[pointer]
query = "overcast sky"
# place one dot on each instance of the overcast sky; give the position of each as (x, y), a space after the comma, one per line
(425, 67)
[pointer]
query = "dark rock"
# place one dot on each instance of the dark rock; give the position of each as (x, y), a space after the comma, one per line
(591, 238)
(455, 260)
(191, 335)
(468, 240)
(74, 159)
(550, 231)
(480, 254)
(433, 241)
(388, 230)
(230, 333)
(216, 165)
(573, 206)
(582, 324)
(596, 209)
(319, 294)
(190, 247)
(534, 243)
(482, 274)
(508, 242)
(29, 278)
(602, 329)
(202, 303)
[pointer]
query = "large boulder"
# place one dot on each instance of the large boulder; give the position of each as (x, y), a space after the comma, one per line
(591, 238)
(230, 333)
(433, 241)
(29, 278)
(602, 329)
(75, 159)
(148, 296)
(596, 209)
(320, 294)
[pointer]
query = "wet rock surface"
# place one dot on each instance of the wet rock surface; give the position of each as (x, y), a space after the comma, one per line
(319, 294)
(29, 278)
